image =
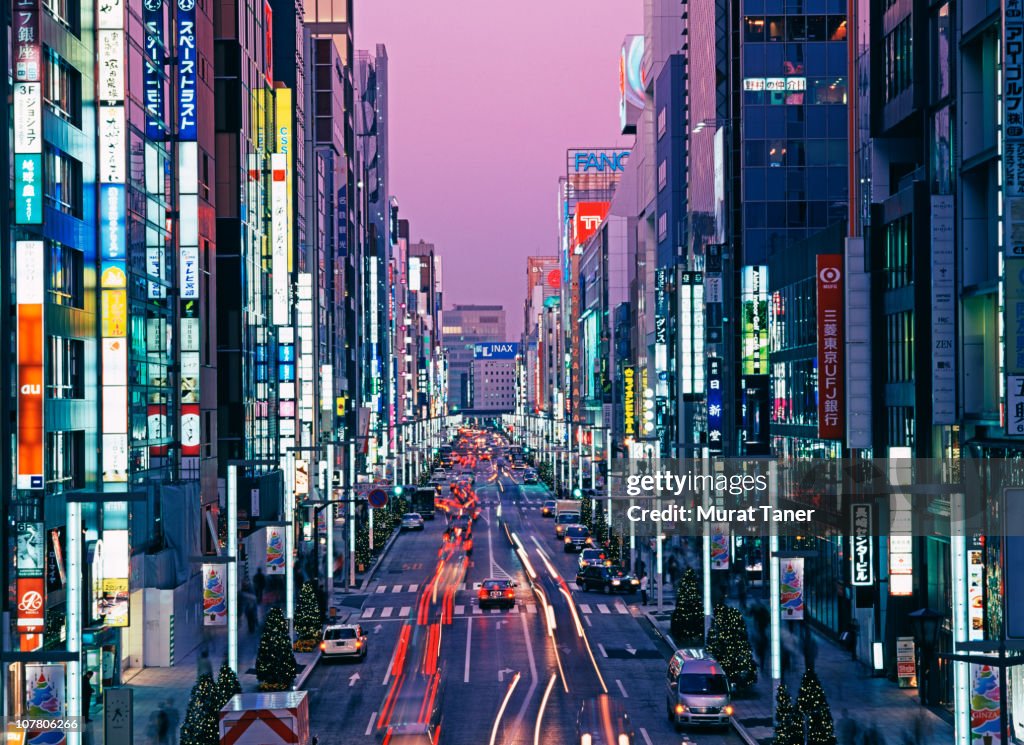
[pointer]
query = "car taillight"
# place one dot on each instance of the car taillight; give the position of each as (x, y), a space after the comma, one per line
(359, 643)
(510, 593)
(323, 646)
(483, 593)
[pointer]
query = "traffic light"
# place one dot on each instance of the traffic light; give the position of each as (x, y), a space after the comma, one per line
(397, 490)
(577, 493)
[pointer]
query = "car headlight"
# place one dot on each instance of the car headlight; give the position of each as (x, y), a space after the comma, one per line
(680, 709)
(616, 582)
(589, 541)
(635, 581)
(568, 539)
(585, 739)
(728, 710)
(623, 739)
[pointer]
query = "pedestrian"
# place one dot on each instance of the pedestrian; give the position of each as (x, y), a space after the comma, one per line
(761, 643)
(673, 569)
(259, 583)
(250, 615)
(204, 666)
(87, 695)
(162, 726)
(810, 650)
(173, 721)
(643, 590)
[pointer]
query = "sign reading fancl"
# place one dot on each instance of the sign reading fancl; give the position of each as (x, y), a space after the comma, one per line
(600, 160)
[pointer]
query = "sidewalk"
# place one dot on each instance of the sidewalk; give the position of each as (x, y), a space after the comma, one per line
(153, 686)
(850, 690)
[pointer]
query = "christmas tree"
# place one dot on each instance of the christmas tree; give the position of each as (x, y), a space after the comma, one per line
(227, 685)
(810, 701)
(200, 725)
(688, 617)
(587, 515)
(275, 662)
(309, 619)
(614, 547)
(600, 531)
(729, 643)
(788, 725)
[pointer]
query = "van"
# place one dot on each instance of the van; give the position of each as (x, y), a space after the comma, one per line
(697, 690)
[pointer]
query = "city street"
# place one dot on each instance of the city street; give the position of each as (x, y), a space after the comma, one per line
(486, 653)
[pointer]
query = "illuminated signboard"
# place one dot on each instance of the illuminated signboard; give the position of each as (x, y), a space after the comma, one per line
(113, 589)
(215, 595)
(831, 401)
(629, 401)
(28, 189)
(187, 70)
(112, 140)
(27, 53)
(631, 83)
(754, 311)
(495, 351)
(599, 161)
(775, 85)
(110, 56)
(30, 291)
(586, 220)
(28, 118)
(283, 118)
(861, 546)
(31, 605)
(714, 405)
(28, 172)
(279, 239)
(152, 68)
(691, 331)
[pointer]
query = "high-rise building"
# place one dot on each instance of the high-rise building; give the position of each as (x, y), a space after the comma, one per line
(493, 373)
(464, 327)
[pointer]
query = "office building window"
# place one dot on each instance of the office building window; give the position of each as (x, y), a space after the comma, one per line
(67, 13)
(898, 58)
(65, 464)
(66, 276)
(63, 89)
(899, 338)
(63, 182)
(899, 256)
(65, 373)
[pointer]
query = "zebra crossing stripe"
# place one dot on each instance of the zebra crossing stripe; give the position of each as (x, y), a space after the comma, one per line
(459, 610)
(602, 608)
(381, 588)
(404, 611)
(386, 611)
(413, 588)
(622, 609)
(532, 608)
(584, 608)
(396, 588)
(368, 612)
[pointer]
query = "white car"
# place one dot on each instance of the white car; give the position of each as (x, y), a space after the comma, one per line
(344, 640)
(412, 521)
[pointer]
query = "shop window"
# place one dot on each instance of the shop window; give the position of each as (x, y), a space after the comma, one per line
(755, 29)
(65, 284)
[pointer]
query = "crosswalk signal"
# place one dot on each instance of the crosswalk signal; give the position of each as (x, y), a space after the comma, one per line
(397, 491)
(577, 493)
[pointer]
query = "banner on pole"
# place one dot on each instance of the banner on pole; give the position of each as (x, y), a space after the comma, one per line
(791, 591)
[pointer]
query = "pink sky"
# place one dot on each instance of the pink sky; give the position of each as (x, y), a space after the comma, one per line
(484, 100)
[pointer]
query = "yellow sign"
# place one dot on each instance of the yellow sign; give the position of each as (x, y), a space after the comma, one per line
(283, 120)
(114, 313)
(341, 406)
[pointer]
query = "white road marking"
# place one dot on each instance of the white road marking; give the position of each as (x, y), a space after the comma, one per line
(621, 608)
(469, 637)
(533, 676)
(381, 588)
(386, 611)
(369, 727)
(586, 620)
(396, 588)
(531, 607)
(647, 738)
(413, 588)
(459, 610)
(621, 688)
(495, 611)
(476, 611)
(584, 608)
(404, 611)
(601, 647)
(602, 608)
(368, 612)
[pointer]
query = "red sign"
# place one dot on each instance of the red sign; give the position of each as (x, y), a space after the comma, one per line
(31, 605)
(831, 398)
(587, 219)
(26, 42)
(190, 431)
(554, 279)
(30, 291)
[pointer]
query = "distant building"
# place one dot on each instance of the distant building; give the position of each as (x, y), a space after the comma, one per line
(493, 373)
(464, 327)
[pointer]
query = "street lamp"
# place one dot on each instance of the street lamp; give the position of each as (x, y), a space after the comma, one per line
(926, 633)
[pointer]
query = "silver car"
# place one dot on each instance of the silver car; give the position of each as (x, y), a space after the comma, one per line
(697, 690)
(412, 521)
(344, 640)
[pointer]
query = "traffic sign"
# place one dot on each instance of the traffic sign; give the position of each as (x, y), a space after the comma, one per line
(377, 498)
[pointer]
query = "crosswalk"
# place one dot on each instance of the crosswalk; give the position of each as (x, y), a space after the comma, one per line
(388, 611)
(604, 608)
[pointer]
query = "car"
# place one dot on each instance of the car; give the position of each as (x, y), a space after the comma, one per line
(412, 521)
(497, 592)
(485, 456)
(590, 556)
(577, 538)
(409, 734)
(343, 640)
(563, 520)
(697, 690)
(603, 721)
(530, 478)
(548, 508)
(607, 579)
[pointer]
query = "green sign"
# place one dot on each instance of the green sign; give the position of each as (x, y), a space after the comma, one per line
(28, 189)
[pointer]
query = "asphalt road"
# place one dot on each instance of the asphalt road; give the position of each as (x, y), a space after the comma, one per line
(511, 677)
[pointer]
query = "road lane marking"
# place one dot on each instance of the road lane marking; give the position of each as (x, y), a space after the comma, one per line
(381, 588)
(531, 607)
(459, 610)
(368, 612)
(601, 647)
(601, 607)
(404, 611)
(469, 638)
(396, 588)
(621, 608)
(586, 620)
(533, 675)
(373, 718)
(495, 611)
(584, 608)
(476, 611)
(647, 738)
(386, 611)
(621, 688)
(413, 588)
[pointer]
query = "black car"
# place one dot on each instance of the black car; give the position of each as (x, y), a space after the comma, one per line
(497, 592)
(606, 579)
(548, 508)
(577, 538)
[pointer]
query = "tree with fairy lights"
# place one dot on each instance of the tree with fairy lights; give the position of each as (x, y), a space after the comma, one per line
(309, 619)
(729, 643)
(614, 550)
(275, 661)
(587, 515)
(600, 531)
(688, 616)
(200, 725)
(788, 721)
(811, 702)
(227, 685)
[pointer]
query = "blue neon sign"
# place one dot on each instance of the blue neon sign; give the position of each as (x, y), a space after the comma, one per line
(152, 68)
(187, 72)
(591, 160)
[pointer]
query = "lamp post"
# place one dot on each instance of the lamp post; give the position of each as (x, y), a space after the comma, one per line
(926, 633)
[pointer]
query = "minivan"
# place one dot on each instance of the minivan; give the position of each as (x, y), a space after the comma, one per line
(697, 690)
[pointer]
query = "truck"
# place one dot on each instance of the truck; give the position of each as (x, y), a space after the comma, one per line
(566, 505)
(423, 502)
(265, 719)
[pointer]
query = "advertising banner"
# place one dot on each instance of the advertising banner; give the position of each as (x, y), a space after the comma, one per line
(943, 299)
(279, 229)
(975, 595)
(754, 319)
(116, 556)
(720, 546)
(45, 698)
(629, 401)
(215, 595)
(188, 72)
(28, 259)
(56, 575)
(831, 401)
(792, 589)
(30, 605)
(153, 62)
(715, 437)
(275, 563)
(906, 662)
(985, 705)
(586, 220)
(30, 549)
(861, 546)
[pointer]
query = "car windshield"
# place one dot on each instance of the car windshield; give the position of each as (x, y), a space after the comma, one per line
(568, 517)
(336, 634)
(493, 584)
(577, 532)
(714, 685)
(617, 571)
(411, 516)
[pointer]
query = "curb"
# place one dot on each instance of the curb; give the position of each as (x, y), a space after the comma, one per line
(742, 732)
(307, 671)
(665, 637)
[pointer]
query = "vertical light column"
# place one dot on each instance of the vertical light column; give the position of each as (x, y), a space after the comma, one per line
(28, 115)
(188, 234)
(350, 465)
(775, 609)
(959, 584)
(705, 561)
(330, 521)
(289, 541)
(232, 498)
(74, 615)
(307, 404)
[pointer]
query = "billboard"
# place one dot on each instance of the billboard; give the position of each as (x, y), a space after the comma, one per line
(495, 351)
(692, 296)
(631, 83)
(715, 436)
(113, 603)
(215, 595)
(275, 563)
(629, 401)
(586, 220)
(754, 315)
(188, 72)
(28, 259)
(30, 605)
(791, 589)
(831, 401)
(279, 239)
(153, 62)
(861, 546)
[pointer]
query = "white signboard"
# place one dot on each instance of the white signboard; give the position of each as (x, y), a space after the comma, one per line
(943, 312)
(28, 118)
(112, 140)
(279, 239)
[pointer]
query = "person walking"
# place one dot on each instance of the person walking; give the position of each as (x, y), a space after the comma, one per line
(259, 583)
(87, 691)
(643, 590)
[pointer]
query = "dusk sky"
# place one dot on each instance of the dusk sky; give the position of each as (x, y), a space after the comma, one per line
(484, 101)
